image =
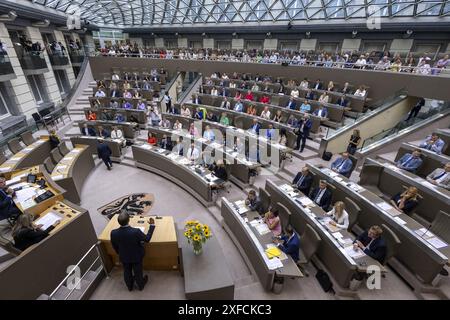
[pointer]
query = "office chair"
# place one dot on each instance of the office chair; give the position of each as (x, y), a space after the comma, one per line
(63, 149)
(14, 145)
(284, 215)
(265, 199)
(353, 212)
(354, 161)
(392, 243)
(38, 120)
(441, 226)
(309, 243)
(48, 165)
(2, 157)
(27, 138)
(55, 156)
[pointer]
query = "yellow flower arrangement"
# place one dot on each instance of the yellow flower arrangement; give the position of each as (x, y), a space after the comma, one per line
(197, 234)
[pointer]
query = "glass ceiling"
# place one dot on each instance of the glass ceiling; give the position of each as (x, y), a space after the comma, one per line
(135, 13)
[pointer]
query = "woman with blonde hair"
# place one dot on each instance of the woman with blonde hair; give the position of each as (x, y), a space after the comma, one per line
(26, 233)
(407, 201)
(339, 215)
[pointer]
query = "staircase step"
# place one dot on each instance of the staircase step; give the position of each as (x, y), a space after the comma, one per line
(305, 155)
(390, 157)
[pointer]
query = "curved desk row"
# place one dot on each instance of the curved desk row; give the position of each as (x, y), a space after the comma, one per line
(335, 251)
(128, 128)
(253, 245)
(265, 146)
(239, 166)
(415, 253)
(156, 84)
(197, 181)
(146, 94)
(108, 114)
(355, 102)
(71, 172)
(29, 156)
(335, 112)
(92, 142)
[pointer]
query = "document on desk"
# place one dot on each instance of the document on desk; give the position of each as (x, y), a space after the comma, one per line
(255, 222)
(400, 221)
(146, 147)
(355, 254)
(345, 242)
(436, 242)
(424, 233)
(76, 150)
(27, 203)
(68, 158)
(58, 177)
(388, 208)
(27, 149)
(274, 263)
(25, 194)
(286, 188)
(262, 228)
(48, 220)
(305, 201)
(12, 181)
(5, 169)
(60, 167)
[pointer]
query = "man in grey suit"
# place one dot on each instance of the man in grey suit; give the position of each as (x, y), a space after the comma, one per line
(440, 177)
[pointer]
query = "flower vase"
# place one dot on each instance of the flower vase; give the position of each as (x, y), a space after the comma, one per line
(197, 248)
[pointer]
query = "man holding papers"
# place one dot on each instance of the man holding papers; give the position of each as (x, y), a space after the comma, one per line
(372, 243)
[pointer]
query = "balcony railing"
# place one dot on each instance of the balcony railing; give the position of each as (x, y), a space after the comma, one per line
(5, 65)
(58, 59)
(76, 58)
(32, 61)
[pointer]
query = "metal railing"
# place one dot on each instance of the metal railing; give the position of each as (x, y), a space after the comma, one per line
(420, 70)
(76, 268)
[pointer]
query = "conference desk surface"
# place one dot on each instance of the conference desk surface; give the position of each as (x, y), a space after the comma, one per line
(336, 248)
(194, 178)
(71, 172)
(161, 253)
(31, 155)
(206, 276)
(418, 249)
(242, 222)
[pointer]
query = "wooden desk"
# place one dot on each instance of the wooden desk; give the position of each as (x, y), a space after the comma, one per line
(64, 210)
(71, 172)
(31, 155)
(161, 253)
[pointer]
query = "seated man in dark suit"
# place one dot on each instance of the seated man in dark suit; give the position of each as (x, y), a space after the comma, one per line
(321, 195)
(310, 95)
(165, 143)
(343, 165)
(342, 101)
(8, 209)
(103, 132)
(115, 93)
(410, 162)
(303, 181)
(88, 131)
(372, 243)
(290, 243)
(128, 243)
(291, 104)
(254, 202)
(172, 110)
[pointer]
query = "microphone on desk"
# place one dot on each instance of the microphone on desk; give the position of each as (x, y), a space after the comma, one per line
(426, 231)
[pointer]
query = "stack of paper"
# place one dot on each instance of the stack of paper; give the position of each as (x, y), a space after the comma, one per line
(48, 220)
(355, 254)
(76, 150)
(274, 263)
(262, 228)
(4, 169)
(436, 242)
(400, 221)
(58, 177)
(424, 233)
(305, 201)
(254, 223)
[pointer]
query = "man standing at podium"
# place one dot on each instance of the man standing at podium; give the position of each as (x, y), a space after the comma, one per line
(128, 242)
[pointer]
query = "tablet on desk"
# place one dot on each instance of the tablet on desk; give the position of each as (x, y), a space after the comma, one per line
(31, 178)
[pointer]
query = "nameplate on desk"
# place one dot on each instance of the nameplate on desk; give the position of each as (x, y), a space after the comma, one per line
(76, 150)
(436, 242)
(58, 177)
(15, 159)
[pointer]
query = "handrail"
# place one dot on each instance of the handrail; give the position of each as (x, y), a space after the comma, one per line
(94, 246)
(184, 94)
(426, 71)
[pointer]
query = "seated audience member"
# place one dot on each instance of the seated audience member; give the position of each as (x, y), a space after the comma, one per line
(127, 94)
(255, 87)
(292, 121)
(321, 112)
(154, 116)
(255, 127)
(304, 84)
(253, 201)
(91, 116)
(342, 165)
(127, 105)
(114, 104)
(210, 116)
(433, 143)
(303, 181)
(141, 105)
(318, 85)
(410, 162)
(330, 86)
(88, 131)
(321, 195)
(198, 114)
(117, 134)
(8, 208)
(360, 92)
(185, 111)
(278, 117)
(119, 117)
(305, 107)
(115, 93)
(193, 153)
(225, 104)
(151, 138)
(440, 177)
(26, 233)
(346, 89)
(290, 243)
(137, 95)
(238, 95)
(291, 104)
(339, 215)
(173, 110)
(265, 114)
(251, 110)
(100, 93)
(309, 95)
(178, 147)
(295, 93)
(208, 134)
(219, 170)
(270, 132)
(53, 139)
(165, 123)
(166, 142)
(177, 125)
(372, 243)
(354, 141)
(224, 120)
(272, 220)
(324, 98)
(282, 139)
(406, 201)
(196, 99)
(264, 99)
(103, 132)
(342, 101)
(214, 91)
(249, 96)
(193, 131)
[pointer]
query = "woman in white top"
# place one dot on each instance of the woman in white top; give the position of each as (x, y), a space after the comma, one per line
(265, 113)
(185, 111)
(118, 134)
(177, 125)
(330, 86)
(295, 93)
(361, 92)
(214, 92)
(324, 98)
(255, 87)
(339, 215)
(304, 84)
(232, 84)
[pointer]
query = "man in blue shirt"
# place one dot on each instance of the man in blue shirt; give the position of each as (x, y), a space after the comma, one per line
(291, 104)
(343, 165)
(410, 162)
(270, 132)
(433, 143)
(238, 106)
(255, 127)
